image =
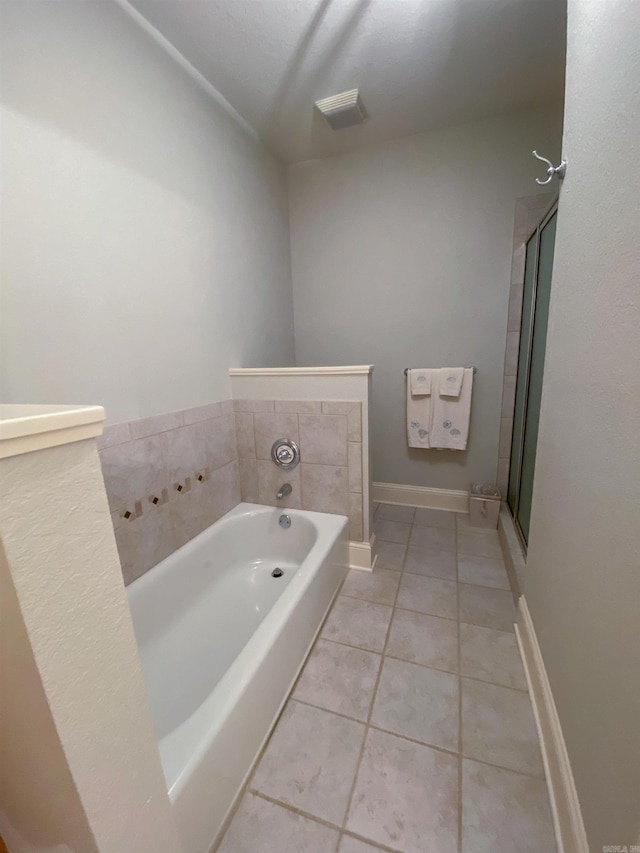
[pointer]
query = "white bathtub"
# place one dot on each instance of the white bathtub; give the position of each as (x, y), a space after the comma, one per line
(221, 643)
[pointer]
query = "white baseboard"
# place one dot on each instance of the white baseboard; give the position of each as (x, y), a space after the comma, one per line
(565, 806)
(362, 555)
(422, 496)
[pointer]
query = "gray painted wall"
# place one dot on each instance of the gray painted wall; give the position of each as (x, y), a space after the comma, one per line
(401, 256)
(583, 571)
(145, 245)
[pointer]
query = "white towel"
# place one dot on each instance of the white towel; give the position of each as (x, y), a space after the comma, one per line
(420, 381)
(419, 412)
(451, 381)
(450, 417)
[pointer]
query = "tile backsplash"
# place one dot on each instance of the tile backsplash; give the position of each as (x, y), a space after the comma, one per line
(329, 476)
(170, 476)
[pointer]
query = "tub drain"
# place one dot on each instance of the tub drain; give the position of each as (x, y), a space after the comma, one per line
(277, 573)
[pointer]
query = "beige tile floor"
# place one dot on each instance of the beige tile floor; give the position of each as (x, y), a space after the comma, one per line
(410, 728)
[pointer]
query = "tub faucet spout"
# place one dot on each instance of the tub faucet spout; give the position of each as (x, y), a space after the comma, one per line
(283, 491)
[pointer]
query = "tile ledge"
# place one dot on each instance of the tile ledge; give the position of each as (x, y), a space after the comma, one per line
(301, 371)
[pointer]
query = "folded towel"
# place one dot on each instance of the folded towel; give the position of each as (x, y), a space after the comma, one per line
(450, 417)
(420, 381)
(450, 380)
(419, 412)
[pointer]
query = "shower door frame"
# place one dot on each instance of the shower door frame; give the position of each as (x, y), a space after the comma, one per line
(553, 209)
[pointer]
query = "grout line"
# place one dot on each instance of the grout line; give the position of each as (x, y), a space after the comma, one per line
(435, 747)
(349, 645)
(422, 665)
(486, 627)
(412, 662)
(323, 822)
(495, 589)
(425, 575)
(314, 464)
(490, 627)
(373, 697)
(369, 600)
(297, 417)
(407, 609)
(359, 761)
(422, 612)
(377, 845)
(378, 728)
(393, 609)
(290, 807)
(493, 684)
(486, 763)
(246, 787)
(328, 710)
(398, 521)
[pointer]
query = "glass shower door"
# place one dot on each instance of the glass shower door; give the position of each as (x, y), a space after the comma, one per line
(533, 339)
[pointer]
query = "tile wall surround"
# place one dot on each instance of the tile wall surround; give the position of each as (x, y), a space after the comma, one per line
(528, 213)
(168, 477)
(329, 476)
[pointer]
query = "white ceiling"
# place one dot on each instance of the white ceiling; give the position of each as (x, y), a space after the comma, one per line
(419, 64)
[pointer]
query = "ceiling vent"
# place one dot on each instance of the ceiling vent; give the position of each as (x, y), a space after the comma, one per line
(343, 110)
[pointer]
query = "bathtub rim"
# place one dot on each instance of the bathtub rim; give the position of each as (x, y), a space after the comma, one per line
(195, 735)
(230, 687)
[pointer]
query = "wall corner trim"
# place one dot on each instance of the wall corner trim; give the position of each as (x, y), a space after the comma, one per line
(565, 806)
(362, 555)
(450, 500)
(198, 78)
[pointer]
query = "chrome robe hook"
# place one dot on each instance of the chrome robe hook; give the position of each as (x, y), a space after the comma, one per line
(552, 170)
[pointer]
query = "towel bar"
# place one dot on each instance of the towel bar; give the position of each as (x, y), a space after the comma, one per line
(471, 367)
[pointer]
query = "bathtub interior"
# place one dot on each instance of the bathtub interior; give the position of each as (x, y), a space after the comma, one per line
(194, 613)
(221, 644)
